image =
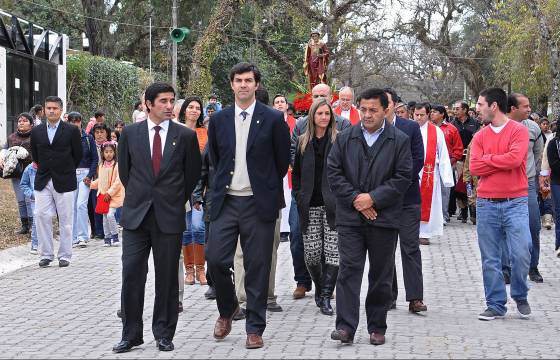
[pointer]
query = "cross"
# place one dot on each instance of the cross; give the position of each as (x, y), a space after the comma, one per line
(428, 169)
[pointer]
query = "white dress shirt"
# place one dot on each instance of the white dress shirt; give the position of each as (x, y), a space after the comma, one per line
(240, 183)
(162, 134)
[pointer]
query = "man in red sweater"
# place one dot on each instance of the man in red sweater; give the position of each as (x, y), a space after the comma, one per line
(499, 158)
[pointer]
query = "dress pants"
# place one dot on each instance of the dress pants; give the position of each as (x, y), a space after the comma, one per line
(135, 253)
(410, 254)
(49, 203)
(239, 270)
(353, 244)
(239, 218)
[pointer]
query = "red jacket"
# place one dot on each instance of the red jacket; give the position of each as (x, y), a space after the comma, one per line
(354, 114)
(453, 141)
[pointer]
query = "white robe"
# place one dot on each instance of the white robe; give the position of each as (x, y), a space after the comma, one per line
(443, 173)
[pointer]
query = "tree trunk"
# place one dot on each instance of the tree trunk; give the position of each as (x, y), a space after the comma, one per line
(207, 47)
(95, 29)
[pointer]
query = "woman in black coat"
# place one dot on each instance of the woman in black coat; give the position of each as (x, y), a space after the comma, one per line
(316, 203)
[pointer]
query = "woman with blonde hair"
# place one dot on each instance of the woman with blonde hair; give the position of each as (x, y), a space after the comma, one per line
(316, 203)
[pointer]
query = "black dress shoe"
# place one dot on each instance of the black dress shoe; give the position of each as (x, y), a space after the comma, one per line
(210, 294)
(164, 344)
(119, 313)
(126, 346)
(44, 263)
(343, 336)
(274, 307)
(240, 315)
(63, 263)
(180, 307)
(326, 308)
(393, 305)
(535, 275)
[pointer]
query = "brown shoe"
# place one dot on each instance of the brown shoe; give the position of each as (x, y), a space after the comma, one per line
(254, 341)
(416, 306)
(223, 325)
(424, 241)
(376, 339)
(189, 276)
(299, 292)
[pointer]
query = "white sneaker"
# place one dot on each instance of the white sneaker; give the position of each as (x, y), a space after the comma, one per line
(33, 251)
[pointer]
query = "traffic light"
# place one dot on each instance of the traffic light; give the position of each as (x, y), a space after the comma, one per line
(179, 34)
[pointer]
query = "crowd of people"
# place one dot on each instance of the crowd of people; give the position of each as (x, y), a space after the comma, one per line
(200, 185)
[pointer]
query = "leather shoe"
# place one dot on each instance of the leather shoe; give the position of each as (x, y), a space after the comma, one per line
(424, 241)
(376, 339)
(416, 306)
(299, 292)
(180, 307)
(119, 313)
(223, 325)
(210, 294)
(343, 336)
(393, 305)
(254, 341)
(274, 307)
(126, 346)
(44, 262)
(240, 314)
(63, 263)
(164, 344)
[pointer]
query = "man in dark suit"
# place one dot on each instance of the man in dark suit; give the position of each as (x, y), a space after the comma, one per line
(159, 165)
(369, 169)
(56, 147)
(249, 147)
(409, 231)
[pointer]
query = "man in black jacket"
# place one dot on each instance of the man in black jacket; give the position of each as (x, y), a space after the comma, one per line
(369, 171)
(249, 147)
(56, 147)
(159, 166)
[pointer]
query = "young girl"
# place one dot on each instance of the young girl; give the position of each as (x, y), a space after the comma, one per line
(109, 184)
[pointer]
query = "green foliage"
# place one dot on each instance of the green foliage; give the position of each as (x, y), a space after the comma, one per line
(96, 83)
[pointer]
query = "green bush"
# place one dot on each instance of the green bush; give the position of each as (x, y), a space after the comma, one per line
(97, 83)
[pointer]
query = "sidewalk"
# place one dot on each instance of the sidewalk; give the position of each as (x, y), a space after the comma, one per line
(70, 312)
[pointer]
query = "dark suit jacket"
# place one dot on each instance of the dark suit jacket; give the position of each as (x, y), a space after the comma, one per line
(56, 161)
(170, 190)
(303, 183)
(412, 129)
(384, 171)
(268, 158)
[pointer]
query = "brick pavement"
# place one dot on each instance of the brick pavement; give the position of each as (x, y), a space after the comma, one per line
(70, 313)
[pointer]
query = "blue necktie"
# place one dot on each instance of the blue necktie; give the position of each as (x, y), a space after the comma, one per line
(244, 115)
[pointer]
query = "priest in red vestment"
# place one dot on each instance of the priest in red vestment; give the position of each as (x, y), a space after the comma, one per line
(346, 107)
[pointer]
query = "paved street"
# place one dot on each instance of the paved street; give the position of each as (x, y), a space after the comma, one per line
(70, 313)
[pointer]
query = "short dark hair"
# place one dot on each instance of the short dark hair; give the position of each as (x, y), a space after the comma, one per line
(190, 99)
(211, 107)
(212, 96)
(55, 99)
(411, 105)
(74, 117)
(98, 114)
(423, 105)
(119, 122)
(374, 93)
(103, 127)
(262, 95)
(117, 134)
(394, 97)
(463, 104)
(513, 100)
(244, 67)
(154, 90)
(498, 96)
(36, 108)
(27, 116)
(137, 105)
(442, 110)
(279, 95)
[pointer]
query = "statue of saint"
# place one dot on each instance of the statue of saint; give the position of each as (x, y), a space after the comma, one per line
(316, 60)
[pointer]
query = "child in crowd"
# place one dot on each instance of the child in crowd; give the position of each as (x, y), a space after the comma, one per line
(109, 185)
(28, 187)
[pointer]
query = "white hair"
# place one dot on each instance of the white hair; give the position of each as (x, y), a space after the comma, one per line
(344, 88)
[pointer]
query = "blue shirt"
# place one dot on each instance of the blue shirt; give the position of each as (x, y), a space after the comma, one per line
(51, 130)
(371, 138)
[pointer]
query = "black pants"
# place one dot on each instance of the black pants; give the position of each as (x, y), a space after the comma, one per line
(135, 253)
(411, 257)
(353, 244)
(239, 218)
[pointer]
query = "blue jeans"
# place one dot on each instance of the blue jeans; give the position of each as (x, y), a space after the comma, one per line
(34, 241)
(556, 197)
(545, 205)
(534, 228)
(499, 225)
(301, 275)
(195, 227)
(24, 205)
(81, 195)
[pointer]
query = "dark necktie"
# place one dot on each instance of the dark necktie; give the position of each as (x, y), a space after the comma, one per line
(156, 151)
(244, 115)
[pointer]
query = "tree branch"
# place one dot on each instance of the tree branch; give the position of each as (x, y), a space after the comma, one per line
(307, 11)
